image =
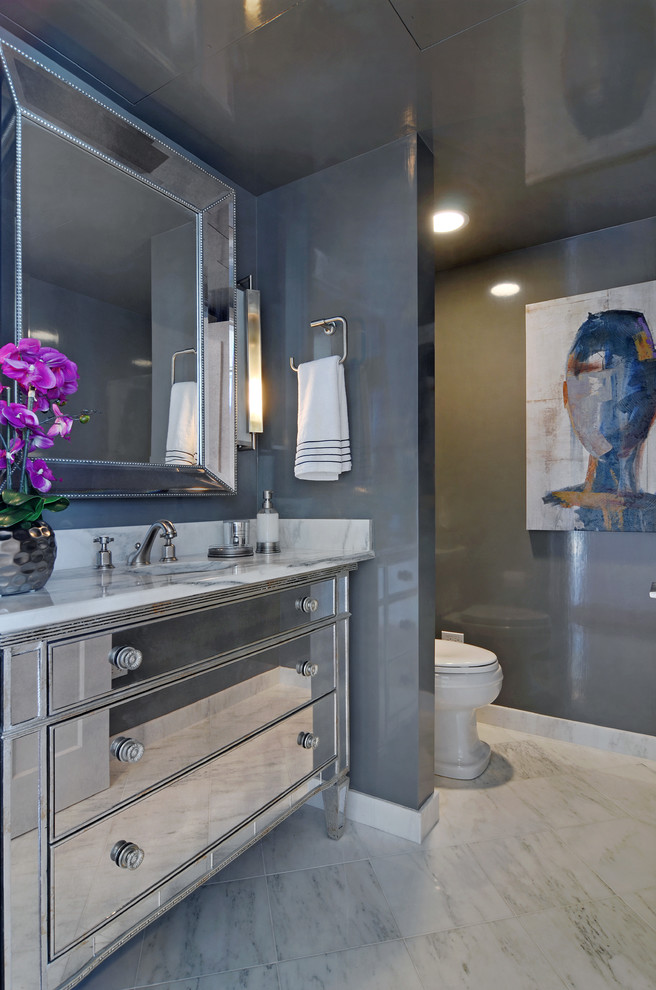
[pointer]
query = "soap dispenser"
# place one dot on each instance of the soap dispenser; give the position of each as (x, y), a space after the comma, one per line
(268, 527)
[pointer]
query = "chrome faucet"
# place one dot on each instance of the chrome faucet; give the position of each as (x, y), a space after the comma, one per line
(141, 555)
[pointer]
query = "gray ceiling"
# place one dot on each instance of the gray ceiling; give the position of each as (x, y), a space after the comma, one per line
(541, 113)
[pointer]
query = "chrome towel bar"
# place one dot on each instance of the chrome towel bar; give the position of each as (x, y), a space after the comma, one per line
(329, 325)
(176, 354)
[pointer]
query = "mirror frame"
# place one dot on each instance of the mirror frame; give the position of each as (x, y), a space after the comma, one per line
(75, 112)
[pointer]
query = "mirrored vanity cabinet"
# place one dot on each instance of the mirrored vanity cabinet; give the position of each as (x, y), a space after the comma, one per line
(144, 748)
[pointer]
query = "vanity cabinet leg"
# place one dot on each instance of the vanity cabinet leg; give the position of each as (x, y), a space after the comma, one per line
(334, 807)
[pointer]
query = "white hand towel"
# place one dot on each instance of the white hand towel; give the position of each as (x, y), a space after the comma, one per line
(182, 435)
(323, 449)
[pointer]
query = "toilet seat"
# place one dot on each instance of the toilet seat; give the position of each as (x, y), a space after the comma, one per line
(451, 657)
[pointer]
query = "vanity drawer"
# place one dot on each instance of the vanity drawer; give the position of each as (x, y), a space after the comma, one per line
(178, 823)
(150, 739)
(82, 669)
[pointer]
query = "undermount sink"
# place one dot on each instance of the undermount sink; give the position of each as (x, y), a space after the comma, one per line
(183, 565)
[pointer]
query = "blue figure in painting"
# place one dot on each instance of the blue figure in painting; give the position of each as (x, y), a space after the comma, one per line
(610, 395)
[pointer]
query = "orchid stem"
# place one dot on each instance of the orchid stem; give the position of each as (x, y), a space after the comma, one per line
(6, 439)
(22, 487)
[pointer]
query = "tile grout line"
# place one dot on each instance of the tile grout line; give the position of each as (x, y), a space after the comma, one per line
(273, 928)
(136, 972)
(633, 910)
(317, 866)
(541, 952)
(626, 813)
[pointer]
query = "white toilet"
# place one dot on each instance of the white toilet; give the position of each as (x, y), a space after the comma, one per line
(466, 678)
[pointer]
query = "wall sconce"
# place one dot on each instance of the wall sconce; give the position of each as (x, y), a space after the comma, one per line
(250, 419)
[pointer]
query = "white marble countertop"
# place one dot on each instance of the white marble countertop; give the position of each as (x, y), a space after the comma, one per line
(82, 592)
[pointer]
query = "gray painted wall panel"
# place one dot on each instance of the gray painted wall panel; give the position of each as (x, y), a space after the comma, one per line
(345, 242)
(586, 649)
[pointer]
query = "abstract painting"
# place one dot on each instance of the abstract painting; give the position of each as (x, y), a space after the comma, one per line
(591, 403)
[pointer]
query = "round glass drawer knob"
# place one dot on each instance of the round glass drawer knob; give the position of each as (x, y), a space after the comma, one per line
(307, 740)
(307, 604)
(127, 855)
(125, 657)
(307, 669)
(127, 750)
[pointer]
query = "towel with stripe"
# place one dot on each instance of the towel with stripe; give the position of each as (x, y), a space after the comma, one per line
(182, 434)
(323, 449)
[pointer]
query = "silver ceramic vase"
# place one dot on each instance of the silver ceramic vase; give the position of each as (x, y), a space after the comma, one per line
(27, 557)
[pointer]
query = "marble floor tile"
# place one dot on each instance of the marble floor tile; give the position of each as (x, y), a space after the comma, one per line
(644, 772)
(119, 972)
(483, 957)
(327, 909)
(575, 757)
(527, 759)
(537, 871)
(643, 902)
(220, 926)
(386, 966)
(565, 799)
(378, 843)
(257, 978)
(431, 891)
(634, 791)
(473, 815)
(301, 842)
(622, 852)
(249, 864)
(600, 945)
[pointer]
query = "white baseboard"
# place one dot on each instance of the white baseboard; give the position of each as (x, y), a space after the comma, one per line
(582, 733)
(395, 819)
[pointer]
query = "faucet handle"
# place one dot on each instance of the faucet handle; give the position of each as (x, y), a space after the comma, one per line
(104, 555)
(104, 540)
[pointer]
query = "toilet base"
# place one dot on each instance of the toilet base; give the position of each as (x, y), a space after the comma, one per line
(474, 767)
(459, 752)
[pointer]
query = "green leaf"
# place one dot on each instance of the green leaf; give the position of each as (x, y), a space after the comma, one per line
(15, 498)
(12, 516)
(56, 503)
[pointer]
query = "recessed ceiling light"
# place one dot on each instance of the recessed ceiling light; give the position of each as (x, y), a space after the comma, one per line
(444, 221)
(505, 289)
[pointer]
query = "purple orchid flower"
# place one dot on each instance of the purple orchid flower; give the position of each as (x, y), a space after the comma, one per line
(40, 475)
(17, 415)
(44, 377)
(40, 441)
(26, 367)
(65, 372)
(26, 347)
(45, 369)
(62, 424)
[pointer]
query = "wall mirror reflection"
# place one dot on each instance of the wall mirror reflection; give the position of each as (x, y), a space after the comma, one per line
(124, 255)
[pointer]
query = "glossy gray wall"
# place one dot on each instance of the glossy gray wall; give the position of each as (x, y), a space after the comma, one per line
(350, 241)
(580, 629)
